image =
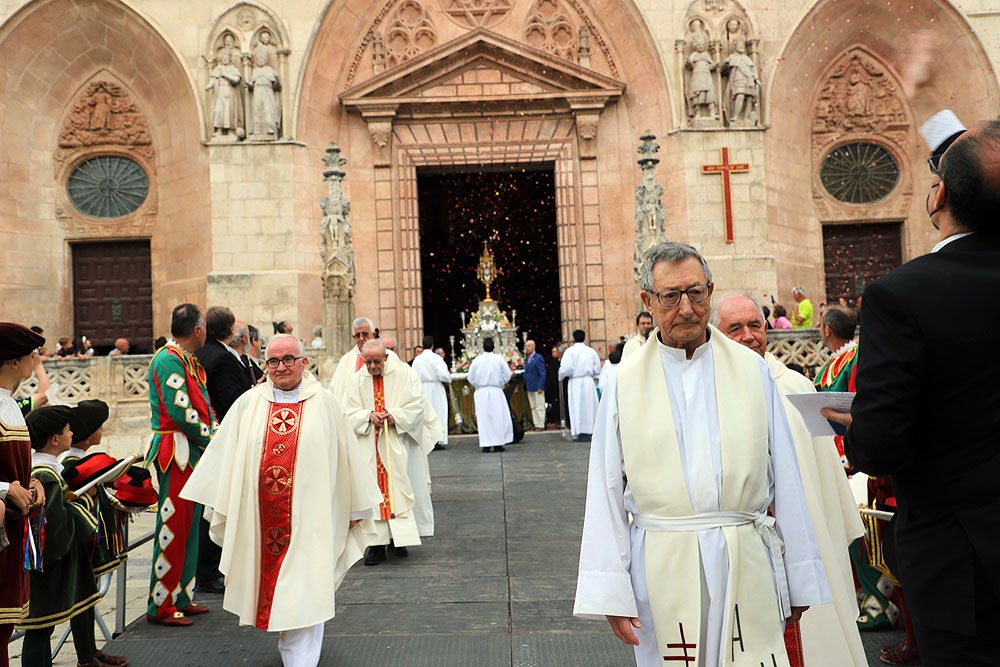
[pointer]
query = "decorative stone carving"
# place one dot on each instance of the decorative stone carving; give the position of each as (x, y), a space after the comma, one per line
(583, 47)
(476, 13)
(378, 52)
(337, 253)
(549, 28)
(742, 87)
(256, 45)
(718, 63)
(104, 115)
(859, 101)
(650, 218)
(409, 33)
(265, 84)
(858, 95)
(227, 99)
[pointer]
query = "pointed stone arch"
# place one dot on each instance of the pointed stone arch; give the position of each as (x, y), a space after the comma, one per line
(580, 121)
(965, 81)
(51, 49)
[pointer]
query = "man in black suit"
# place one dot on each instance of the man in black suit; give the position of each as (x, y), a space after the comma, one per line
(933, 423)
(226, 379)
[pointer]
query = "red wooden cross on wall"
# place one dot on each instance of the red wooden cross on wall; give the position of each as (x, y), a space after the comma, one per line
(724, 170)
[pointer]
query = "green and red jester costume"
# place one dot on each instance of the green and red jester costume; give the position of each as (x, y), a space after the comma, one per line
(183, 424)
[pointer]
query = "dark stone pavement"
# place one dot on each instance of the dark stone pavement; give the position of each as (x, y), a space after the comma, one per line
(493, 588)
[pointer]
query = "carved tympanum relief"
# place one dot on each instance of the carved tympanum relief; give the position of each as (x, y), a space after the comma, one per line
(408, 34)
(477, 13)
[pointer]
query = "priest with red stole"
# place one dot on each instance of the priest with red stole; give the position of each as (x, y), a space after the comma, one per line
(384, 405)
(349, 364)
(284, 482)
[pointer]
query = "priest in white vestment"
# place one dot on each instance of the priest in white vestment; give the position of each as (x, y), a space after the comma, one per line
(488, 373)
(643, 325)
(691, 450)
(582, 366)
(284, 483)
(828, 633)
(349, 364)
(434, 375)
(384, 405)
(416, 451)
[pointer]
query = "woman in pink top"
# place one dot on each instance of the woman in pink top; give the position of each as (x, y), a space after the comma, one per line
(780, 319)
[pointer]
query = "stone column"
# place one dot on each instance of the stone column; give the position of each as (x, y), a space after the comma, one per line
(339, 279)
(650, 218)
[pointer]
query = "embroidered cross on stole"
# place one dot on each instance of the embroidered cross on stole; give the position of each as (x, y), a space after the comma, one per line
(275, 480)
(384, 479)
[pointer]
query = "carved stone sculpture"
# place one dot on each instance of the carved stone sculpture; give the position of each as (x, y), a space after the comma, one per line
(265, 84)
(227, 100)
(650, 218)
(743, 87)
(701, 86)
(337, 252)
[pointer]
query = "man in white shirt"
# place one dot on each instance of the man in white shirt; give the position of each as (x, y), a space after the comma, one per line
(691, 450)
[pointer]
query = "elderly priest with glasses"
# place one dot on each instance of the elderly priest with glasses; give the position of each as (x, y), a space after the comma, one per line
(697, 543)
(285, 487)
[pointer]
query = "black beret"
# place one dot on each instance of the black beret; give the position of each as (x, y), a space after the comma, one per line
(17, 340)
(88, 416)
(47, 421)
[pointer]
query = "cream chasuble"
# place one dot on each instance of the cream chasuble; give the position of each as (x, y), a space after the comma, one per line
(710, 577)
(830, 635)
(404, 400)
(333, 483)
(346, 368)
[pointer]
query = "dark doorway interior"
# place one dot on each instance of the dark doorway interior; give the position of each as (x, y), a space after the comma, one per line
(856, 254)
(113, 294)
(512, 207)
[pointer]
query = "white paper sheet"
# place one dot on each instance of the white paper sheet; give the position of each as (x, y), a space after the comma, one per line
(810, 404)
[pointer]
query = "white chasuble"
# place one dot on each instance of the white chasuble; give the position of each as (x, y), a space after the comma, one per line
(829, 632)
(332, 484)
(695, 451)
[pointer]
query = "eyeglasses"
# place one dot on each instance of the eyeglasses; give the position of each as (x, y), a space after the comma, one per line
(671, 297)
(934, 162)
(288, 361)
(362, 334)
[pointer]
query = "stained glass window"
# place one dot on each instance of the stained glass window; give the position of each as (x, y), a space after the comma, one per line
(108, 186)
(859, 173)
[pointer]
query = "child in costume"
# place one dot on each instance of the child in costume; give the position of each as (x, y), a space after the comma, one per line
(63, 586)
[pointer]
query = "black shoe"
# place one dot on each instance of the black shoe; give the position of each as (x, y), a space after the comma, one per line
(499, 448)
(398, 552)
(215, 587)
(375, 554)
(439, 447)
(485, 450)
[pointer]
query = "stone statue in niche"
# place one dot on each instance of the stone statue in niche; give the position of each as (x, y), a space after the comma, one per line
(743, 87)
(227, 101)
(858, 100)
(99, 118)
(265, 84)
(229, 47)
(701, 86)
(735, 33)
(265, 45)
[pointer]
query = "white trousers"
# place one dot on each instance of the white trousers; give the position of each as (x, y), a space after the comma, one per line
(301, 647)
(537, 403)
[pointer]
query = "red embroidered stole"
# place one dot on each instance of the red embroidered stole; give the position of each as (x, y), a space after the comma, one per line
(385, 508)
(274, 483)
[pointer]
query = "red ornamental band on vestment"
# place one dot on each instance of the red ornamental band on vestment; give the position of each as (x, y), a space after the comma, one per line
(275, 480)
(382, 472)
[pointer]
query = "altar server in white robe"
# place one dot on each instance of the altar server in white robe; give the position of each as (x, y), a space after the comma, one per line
(349, 364)
(691, 442)
(488, 373)
(284, 482)
(384, 405)
(828, 633)
(582, 366)
(434, 375)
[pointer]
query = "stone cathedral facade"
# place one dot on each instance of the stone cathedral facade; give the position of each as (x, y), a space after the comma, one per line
(154, 152)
